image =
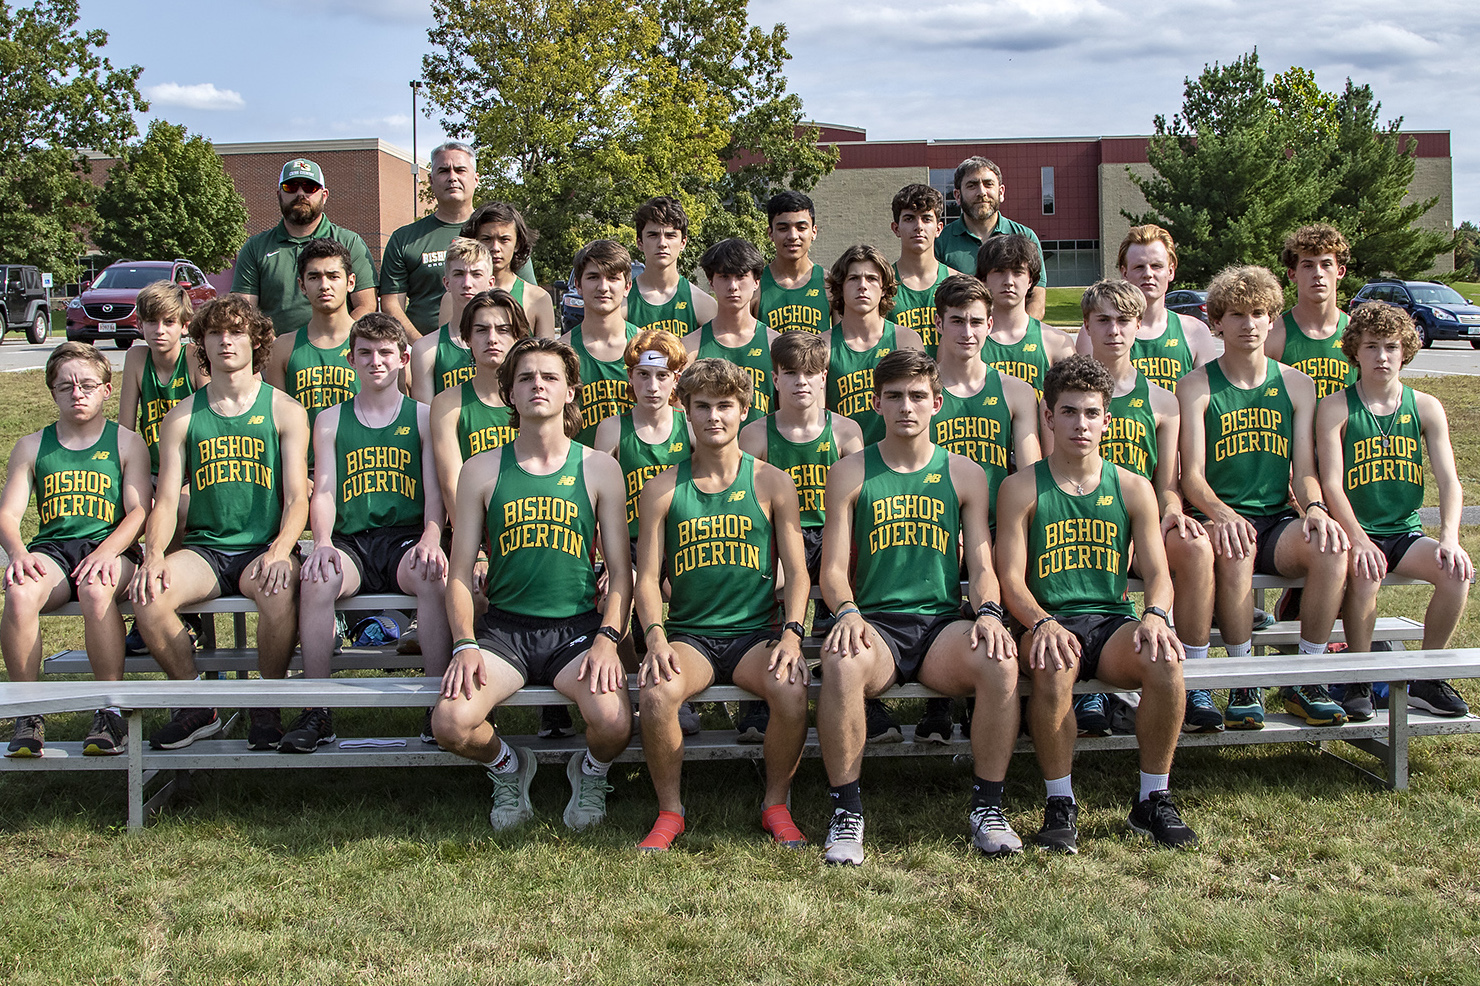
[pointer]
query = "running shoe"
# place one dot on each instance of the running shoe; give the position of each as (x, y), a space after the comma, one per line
(555, 721)
(511, 804)
(752, 722)
(29, 737)
(935, 725)
(1313, 704)
(108, 736)
(844, 843)
(587, 805)
(264, 729)
(689, 722)
(312, 729)
(880, 723)
(1201, 715)
(185, 727)
(1089, 713)
(1060, 832)
(1245, 709)
(1356, 701)
(991, 835)
(1437, 697)
(1158, 817)
(427, 736)
(776, 821)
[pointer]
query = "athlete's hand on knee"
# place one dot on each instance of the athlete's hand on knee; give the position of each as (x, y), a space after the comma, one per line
(1367, 560)
(1325, 534)
(602, 666)
(101, 566)
(22, 567)
(850, 636)
(271, 577)
(321, 565)
(429, 561)
(150, 571)
(1154, 635)
(466, 672)
(988, 630)
(786, 661)
(1454, 561)
(661, 660)
(1052, 643)
(1187, 528)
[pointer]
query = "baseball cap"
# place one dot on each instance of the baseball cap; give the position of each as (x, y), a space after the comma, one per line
(301, 167)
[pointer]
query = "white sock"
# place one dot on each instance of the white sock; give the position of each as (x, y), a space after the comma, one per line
(507, 760)
(1195, 653)
(1240, 650)
(1153, 782)
(1062, 787)
(592, 767)
(1306, 647)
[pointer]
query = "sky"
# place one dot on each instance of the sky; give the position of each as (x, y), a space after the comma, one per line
(256, 70)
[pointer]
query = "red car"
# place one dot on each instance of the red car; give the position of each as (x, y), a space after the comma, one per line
(105, 308)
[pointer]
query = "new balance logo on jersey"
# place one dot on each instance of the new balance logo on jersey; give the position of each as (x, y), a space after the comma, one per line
(566, 481)
(177, 382)
(255, 419)
(100, 455)
(737, 496)
(1272, 392)
(403, 430)
(676, 447)
(681, 305)
(1104, 501)
(811, 292)
(344, 353)
(933, 477)
(824, 446)
(1171, 343)
(1137, 402)
(990, 402)
(1031, 347)
(1405, 419)
(755, 352)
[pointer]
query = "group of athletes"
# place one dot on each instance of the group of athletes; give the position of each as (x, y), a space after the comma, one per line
(658, 489)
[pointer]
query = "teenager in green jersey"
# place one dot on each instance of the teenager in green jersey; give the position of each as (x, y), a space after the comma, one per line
(919, 216)
(1167, 345)
(441, 360)
(1309, 335)
(603, 272)
(734, 268)
(661, 297)
(716, 524)
(1065, 532)
(1370, 438)
(91, 481)
(1141, 436)
(861, 286)
(241, 448)
(162, 372)
(376, 516)
(1248, 439)
(311, 365)
(411, 271)
(980, 192)
(793, 288)
(1017, 343)
(909, 508)
(540, 501)
(510, 241)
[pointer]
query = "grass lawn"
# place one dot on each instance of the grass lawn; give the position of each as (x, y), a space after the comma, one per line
(1307, 872)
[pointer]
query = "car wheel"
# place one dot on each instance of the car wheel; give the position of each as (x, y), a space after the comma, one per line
(3, 328)
(1425, 335)
(39, 329)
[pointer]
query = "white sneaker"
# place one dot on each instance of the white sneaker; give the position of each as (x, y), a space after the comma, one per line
(990, 833)
(587, 805)
(844, 843)
(511, 804)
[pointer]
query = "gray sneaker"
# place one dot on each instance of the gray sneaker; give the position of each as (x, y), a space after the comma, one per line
(844, 843)
(108, 736)
(30, 736)
(511, 805)
(990, 833)
(587, 805)
(688, 720)
(1356, 699)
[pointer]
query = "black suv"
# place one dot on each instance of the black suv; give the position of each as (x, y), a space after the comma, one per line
(1438, 311)
(23, 303)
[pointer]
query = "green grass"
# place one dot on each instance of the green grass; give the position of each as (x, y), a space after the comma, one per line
(1063, 308)
(1470, 289)
(1307, 872)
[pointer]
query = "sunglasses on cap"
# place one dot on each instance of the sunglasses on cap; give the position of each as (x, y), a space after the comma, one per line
(296, 185)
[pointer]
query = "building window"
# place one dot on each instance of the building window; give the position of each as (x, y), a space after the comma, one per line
(1046, 180)
(1071, 263)
(943, 181)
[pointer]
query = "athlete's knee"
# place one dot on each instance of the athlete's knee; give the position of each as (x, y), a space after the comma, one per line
(607, 716)
(849, 671)
(662, 698)
(95, 599)
(785, 695)
(453, 725)
(25, 598)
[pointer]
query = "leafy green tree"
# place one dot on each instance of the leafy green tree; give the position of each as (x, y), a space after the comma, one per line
(582, 109)
(169, 196)
(57, 94)
(1467, 251)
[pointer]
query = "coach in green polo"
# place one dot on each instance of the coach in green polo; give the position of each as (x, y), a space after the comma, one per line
(412, 267)
(267, 267)
(980, 193)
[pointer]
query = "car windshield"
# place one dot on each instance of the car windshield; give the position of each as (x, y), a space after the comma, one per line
(1437, 294)
(121, 278)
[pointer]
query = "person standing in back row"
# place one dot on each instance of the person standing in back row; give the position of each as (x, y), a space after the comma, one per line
(980, 192)
(793, 287)
(411, 273)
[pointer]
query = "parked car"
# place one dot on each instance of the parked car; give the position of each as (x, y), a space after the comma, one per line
(1438, 311)
(23, 303)
(105, 308)
(1194, 303)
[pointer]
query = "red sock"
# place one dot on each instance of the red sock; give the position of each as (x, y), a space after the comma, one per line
(776, 821)
(668, 827)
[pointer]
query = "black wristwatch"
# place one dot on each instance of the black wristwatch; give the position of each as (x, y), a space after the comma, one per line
(795, 628)
(1318, 503)
(609, 633)
(992, 609)
(1156, 611)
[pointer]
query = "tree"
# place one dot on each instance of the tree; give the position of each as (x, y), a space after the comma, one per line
(56, 95)
(170, 197)
(582, 109)
(1467, 251)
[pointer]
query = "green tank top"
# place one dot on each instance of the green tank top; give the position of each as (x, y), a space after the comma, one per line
(807, 465)
(754, 358)
(675, 315)
(980, 428)
(379, 472)
(79, 494)
(1247, 461)
(319, 378)
(1320, 359)
(234, 468)
(907, 531)
(156, 399)
(1383, 461)
(1079, 547)
(1130, 437)
(481, 426)
(541, 530)
(850, 381)
(1165, 359)
(640, 461)
(784, 309)
(720, 559)
(1024, 359)
(916, 309)
(452, 365)
(604, 387)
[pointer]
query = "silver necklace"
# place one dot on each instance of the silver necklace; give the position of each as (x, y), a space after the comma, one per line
(1385, 433)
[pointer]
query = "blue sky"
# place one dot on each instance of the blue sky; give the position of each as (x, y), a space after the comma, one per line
(276, 70)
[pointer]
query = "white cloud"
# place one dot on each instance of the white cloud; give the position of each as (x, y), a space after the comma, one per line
(201, 96)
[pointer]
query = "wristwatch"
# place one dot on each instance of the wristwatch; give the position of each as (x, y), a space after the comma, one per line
(795, 628)
(1156, 611)
(609, 633)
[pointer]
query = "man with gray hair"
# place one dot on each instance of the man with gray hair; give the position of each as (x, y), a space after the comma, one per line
(980, 192)
(411, 271)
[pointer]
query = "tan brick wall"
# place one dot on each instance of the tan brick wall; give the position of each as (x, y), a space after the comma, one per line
(1431, 177)
(853, 207)
(1117, 192)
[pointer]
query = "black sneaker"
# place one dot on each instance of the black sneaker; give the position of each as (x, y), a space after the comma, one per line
(935, 726)
(108, 736)
(133, 644)
(185, 727)
(1201, 715)
(555, 721)
(29, 737)
(1436, 697)
(1356, 699)
(427, 736)
(752, 721)
(880, 724)
(265, 730)
(1060, 832)
(311, 730)
(1158, 817)
(1089, 714)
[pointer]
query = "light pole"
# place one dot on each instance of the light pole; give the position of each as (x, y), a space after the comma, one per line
(415, 168)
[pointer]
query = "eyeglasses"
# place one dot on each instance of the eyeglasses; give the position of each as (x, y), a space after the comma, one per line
(87, 387)
(297, 185)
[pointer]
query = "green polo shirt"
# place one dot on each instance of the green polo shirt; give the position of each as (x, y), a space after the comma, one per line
(267, 267)
(413, 265)
(958, 246)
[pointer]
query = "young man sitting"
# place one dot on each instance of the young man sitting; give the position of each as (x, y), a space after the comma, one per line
(311, 365)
